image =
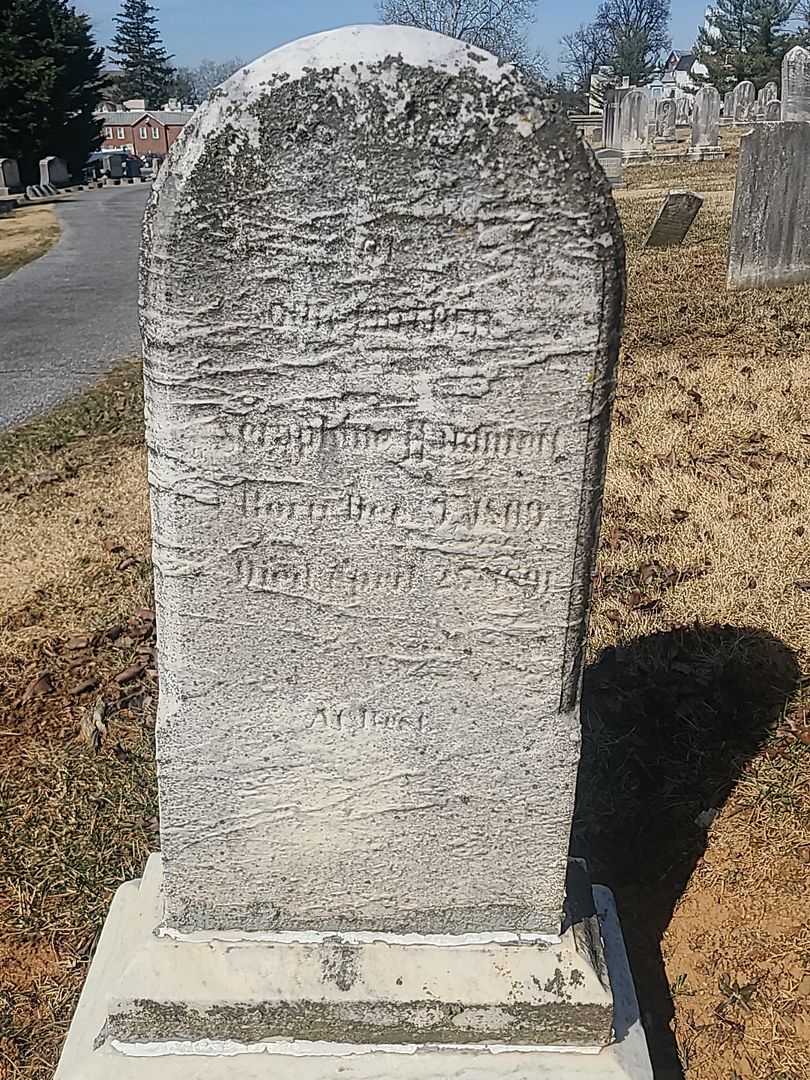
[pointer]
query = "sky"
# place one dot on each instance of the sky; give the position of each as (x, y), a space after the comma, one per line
(219, 29)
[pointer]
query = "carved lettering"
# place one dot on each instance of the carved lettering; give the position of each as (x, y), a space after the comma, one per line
(364, 721)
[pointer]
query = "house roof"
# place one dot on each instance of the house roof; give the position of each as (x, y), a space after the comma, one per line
(131, 119)
(685, 62)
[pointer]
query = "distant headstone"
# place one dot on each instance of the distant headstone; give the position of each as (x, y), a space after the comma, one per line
(678, 211)
(769, 92)
(683, 109)
(612, 165)
(633, 134)
(728, 105)
(377, 440)
(705, 140)
(773, 110)
(610, 116)
(744, 97)
(665, 120)
(770, 222)
(796, 84)
(9, 177)
(54, 171)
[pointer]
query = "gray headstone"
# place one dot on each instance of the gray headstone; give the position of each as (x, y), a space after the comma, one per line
(728, 105)
(381, 295)
(706, 118)
(611, 161)
(769, 92)
(53, 171)
(773, 110)
(678, 211)
(9, 176)
(633, 136)
(683, 109)
(796, 84)
(665, 119)
(770, 223)
(744, 97)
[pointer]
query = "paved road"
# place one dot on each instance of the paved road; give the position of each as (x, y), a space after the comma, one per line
(68, 317)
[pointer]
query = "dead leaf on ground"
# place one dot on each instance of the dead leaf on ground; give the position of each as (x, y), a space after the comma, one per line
(130, 673)
(40, 685)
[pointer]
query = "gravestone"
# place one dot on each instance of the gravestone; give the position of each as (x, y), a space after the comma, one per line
(381, 298)
(633, 133)
(678, 211)
(728, 106)
(665, 120)
(683, 109)
(53, 171)
(612, 166)
(705, 139)
(773, 110)
(610, 116)
(770, 221)
(9, 177)
(769, 92)
(796, 84)
(744, 97)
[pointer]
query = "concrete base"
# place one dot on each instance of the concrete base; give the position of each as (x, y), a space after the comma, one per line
(113, 1030)
(705, 153)
(635, 157)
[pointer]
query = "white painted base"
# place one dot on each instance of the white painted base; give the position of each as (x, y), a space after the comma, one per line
(89, 1055)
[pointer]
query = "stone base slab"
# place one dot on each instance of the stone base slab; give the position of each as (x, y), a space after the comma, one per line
(635, 157)
(705, 153)
(103, 1043)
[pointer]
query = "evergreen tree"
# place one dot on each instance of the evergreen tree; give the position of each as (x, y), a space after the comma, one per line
(50, 78)
(744, 39)
(146, 66)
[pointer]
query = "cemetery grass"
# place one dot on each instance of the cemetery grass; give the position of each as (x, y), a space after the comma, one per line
(25, 235)
(693, 797)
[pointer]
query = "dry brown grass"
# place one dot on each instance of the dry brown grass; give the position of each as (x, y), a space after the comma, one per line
(693, 800)
(25, 235)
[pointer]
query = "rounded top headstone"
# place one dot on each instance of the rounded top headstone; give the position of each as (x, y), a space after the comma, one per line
(381, 298)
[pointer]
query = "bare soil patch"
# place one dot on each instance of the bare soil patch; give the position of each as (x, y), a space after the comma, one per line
(26, 234)
(693, 795)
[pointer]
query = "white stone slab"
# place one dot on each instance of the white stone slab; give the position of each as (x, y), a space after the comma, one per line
(89, 1055)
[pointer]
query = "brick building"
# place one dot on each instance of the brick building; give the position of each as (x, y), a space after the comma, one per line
(145, 132)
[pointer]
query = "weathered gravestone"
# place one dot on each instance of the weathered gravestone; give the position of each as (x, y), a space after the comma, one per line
(773, 111)
(665, 120)
(744, 97)
(678, 211)
(612, 165)
(770, 222)
(9, 176)
(633, 128)
(728, 106)
(769, 92)
(683, 109)
(610, 116)
(705, 137)
(53, 171)
(796, 84)
(381, 301)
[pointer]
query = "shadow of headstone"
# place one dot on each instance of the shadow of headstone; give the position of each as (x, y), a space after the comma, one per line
(669, 723)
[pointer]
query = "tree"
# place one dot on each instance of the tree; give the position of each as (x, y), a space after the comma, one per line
(499, 26)
(584, 52)
(193, 85)
(635, 33)
(146, 69)
(50, 80)
(744, 39)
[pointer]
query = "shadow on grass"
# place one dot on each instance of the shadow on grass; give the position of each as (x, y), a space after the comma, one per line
(669, 722)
